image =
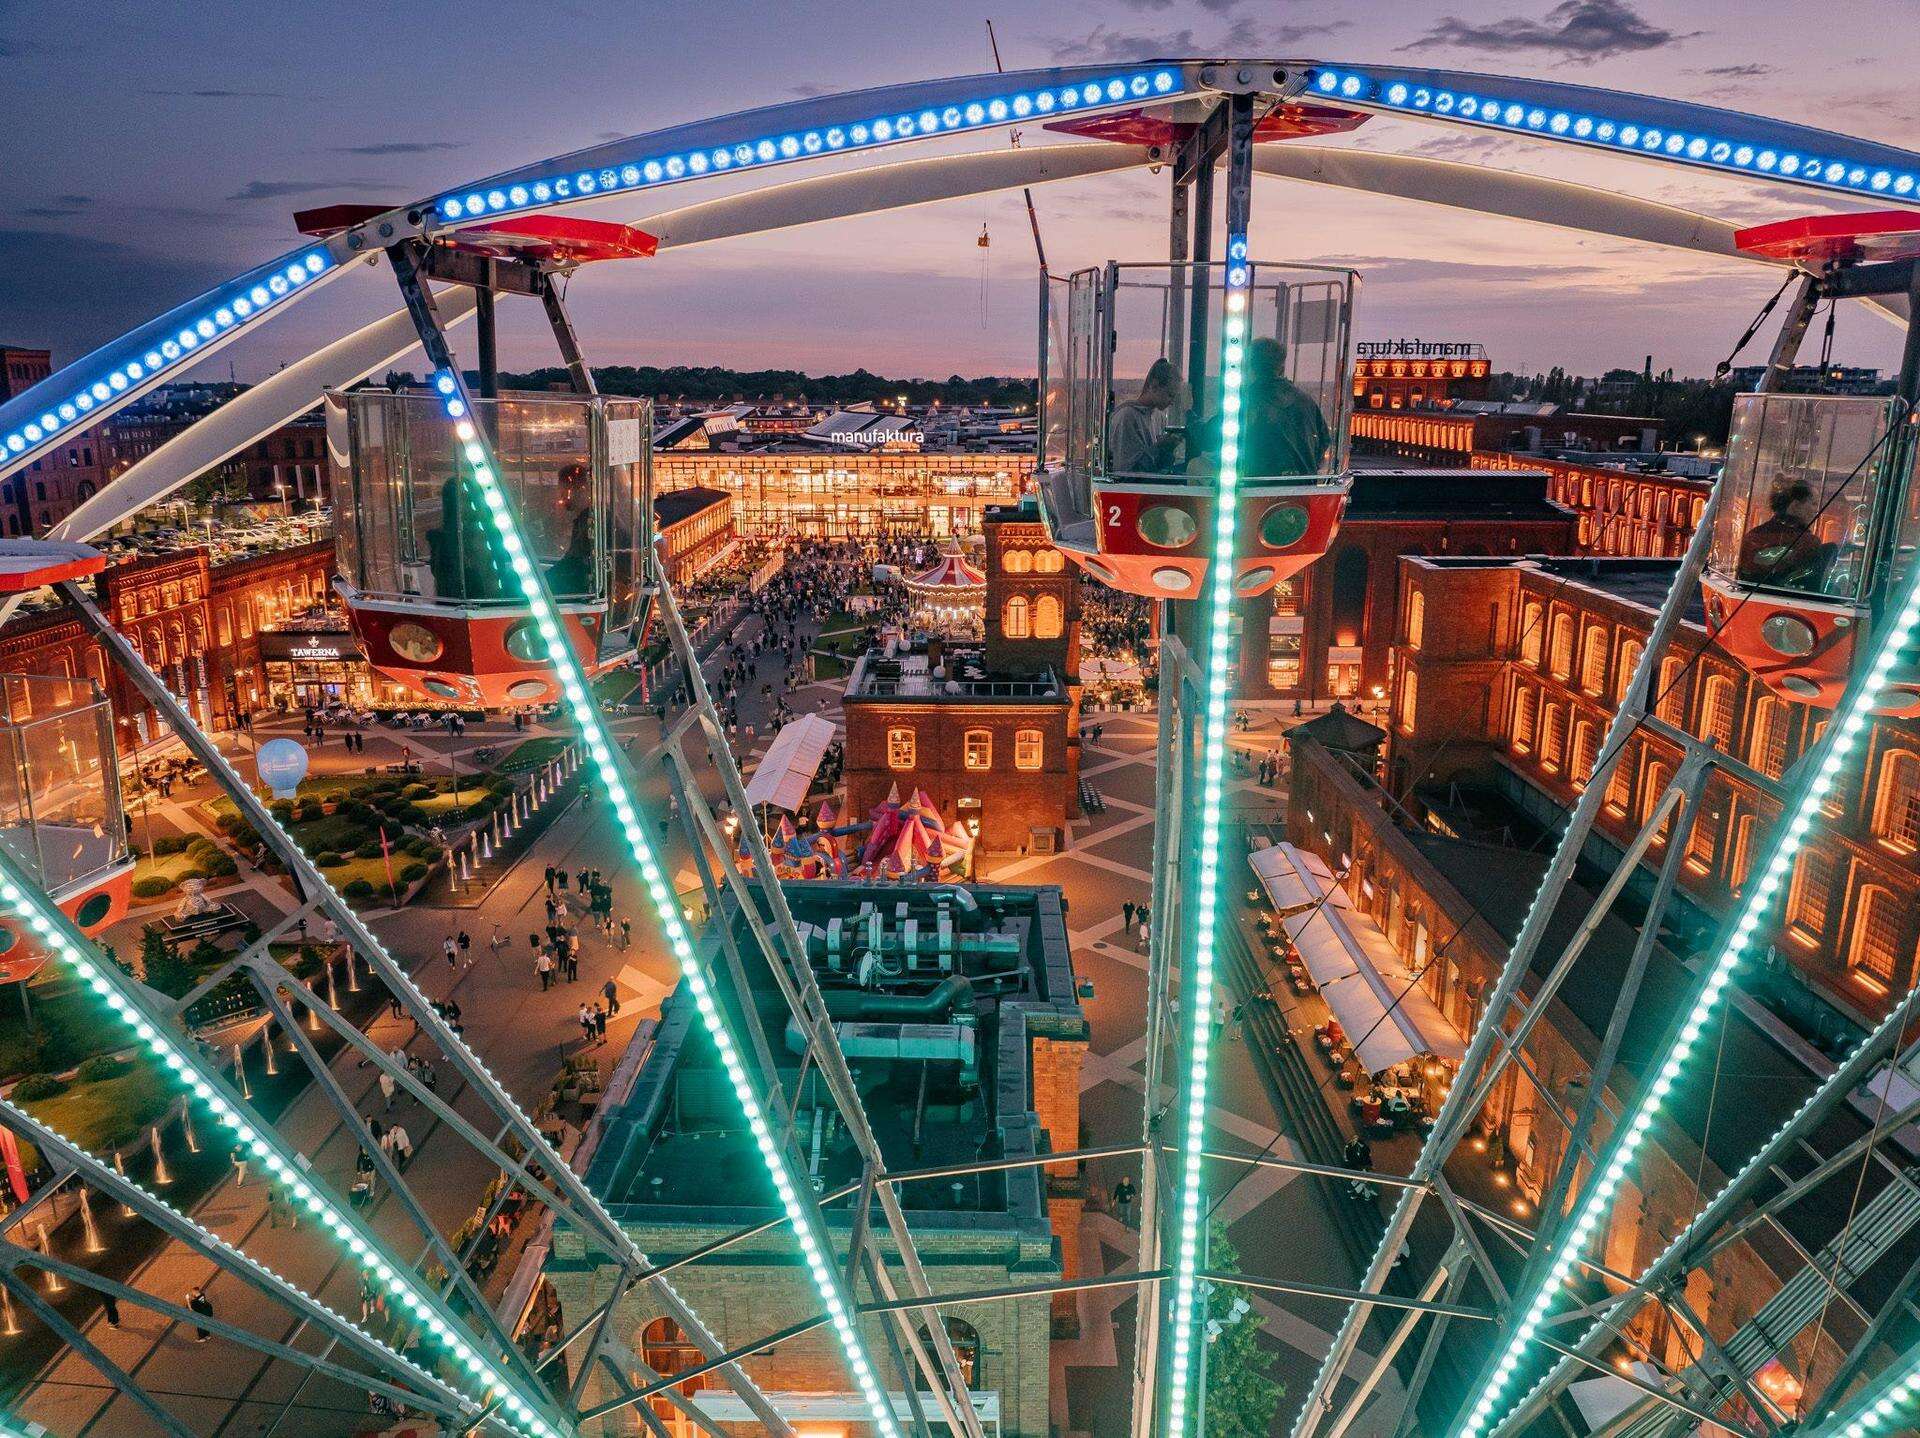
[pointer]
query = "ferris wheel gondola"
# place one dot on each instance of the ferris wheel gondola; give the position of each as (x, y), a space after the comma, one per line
(1818, 518)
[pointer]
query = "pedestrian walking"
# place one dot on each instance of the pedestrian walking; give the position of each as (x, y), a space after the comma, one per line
(599, 1024)
(1123, 1195)
(402, 1149)
(447, 947)
(465, 942)
(198, 1301)
(386, 1092)
(1126, 915)
(586, 1024)
(612, 992)
(626, 933)
(550, 874)
(110, 1306)
(543, 966)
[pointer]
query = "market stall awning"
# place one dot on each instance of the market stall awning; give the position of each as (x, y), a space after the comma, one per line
(1388, 1017)
(1296, 878)
(785, 773)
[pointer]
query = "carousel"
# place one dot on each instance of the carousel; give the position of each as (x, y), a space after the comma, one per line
(949, 599)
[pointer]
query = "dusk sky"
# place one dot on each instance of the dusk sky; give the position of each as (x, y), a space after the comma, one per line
(154, 150)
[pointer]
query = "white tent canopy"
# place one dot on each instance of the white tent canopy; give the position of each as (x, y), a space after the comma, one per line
(783, 776)
(1296, 878)
(1388, 1020)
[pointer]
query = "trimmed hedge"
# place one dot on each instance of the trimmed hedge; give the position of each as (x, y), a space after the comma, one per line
(368, 850)
(358, 889)
(329, 860)
(38, 1086)
(151, 887)
(101, 1067)
(413, 872)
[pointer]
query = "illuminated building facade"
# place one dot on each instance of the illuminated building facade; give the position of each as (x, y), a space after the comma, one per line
(850, 494)
(1622, 512)
(1417, 374)
(1451, 437)
(991, 733)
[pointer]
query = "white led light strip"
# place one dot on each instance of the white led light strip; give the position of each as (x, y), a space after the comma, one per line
(804, 143)
(225, 311)
(1198, 970)
(808, 1231)
(1734, 155)
(55, 931)
(1849, 724)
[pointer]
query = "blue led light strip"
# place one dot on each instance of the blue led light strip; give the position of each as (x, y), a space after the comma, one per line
(56, 932)
(815, 1245)
(801, 144)
(1198, 969)
(186, 333)
(1733, 154)
(1849, 725)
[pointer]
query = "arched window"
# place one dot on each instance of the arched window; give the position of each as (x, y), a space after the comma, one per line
(1810, 897)
(1716, 711)
(1704, 841)
(1767, 743)
(1875, 953)
(1741, 861)
(1670, 690)
(1526, 700)
(1048, 561)
(1532, 635)
(1046, 617)
(1349, 595)
(1029, 749)
(1652, 788)
(1593, 659)
(1586, 748)
(667, 1351)
(1620, 782)
(1896, 809)
(978, 749)
(1409, 698)
(1416, 619)
(966, 1347)
(1560, 646)
(1016, 561)
(900, 748)
(1018, 620)
(1553, 736)
(1630, 652)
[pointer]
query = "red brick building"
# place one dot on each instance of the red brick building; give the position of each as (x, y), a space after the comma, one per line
(1451, 436)
(992, 734)
(1622, 512)
(1325, 634)
(197, 625)
(696, 531)
(1417, 374)
(1510, 672)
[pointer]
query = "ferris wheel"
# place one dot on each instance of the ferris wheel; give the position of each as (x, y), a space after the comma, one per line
(497, 549)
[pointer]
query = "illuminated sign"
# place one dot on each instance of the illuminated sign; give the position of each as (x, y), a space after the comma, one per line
(1419, 349)
(322, 648)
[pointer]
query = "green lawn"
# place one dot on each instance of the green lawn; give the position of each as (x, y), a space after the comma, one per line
(166, 866)
(615, 685)
(69, 1022)
(450, 802)
(103, 1116)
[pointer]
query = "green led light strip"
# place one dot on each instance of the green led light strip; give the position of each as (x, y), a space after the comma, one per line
(1849, 724)
(814, 1244)
(56, 932)
(1199, 970)
(1876, 1407)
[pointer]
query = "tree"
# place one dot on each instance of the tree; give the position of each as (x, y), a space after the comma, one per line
(1242, 1394)
(160, 967)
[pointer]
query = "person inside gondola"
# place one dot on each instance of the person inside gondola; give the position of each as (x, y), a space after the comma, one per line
(1137, 441)
(460, 552)
(1783, 548)
(572, 573)
(1282, 429)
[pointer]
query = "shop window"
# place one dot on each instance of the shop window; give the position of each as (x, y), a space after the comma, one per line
(1416, 618)
(1526, 701)
(1593, 660)
(1810, 897)
(1560, 647)
(1029, 749)
(978, 749)
(1047, 621)
(1896, 810)
(1016, 561)
(1876, 939)
(1018, 620)
(900, 748)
